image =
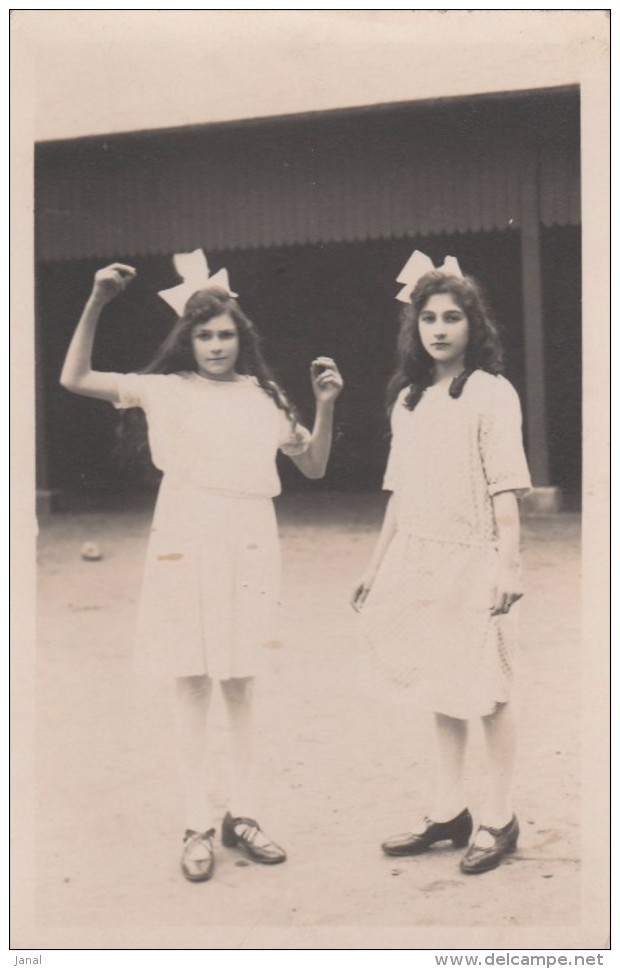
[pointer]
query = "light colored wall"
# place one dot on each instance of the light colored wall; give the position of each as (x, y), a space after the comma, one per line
(103, 71)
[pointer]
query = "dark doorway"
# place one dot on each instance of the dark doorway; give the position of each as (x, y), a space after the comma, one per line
(561, 269)
(334, 299)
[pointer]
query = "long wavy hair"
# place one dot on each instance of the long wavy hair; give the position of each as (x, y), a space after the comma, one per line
(175, 355)
(415, 367)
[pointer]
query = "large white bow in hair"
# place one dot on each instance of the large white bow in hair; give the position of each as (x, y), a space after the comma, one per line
(417, 266)
(193, 269)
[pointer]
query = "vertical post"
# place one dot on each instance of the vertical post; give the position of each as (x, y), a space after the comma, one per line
(44, 493)
(535, 397)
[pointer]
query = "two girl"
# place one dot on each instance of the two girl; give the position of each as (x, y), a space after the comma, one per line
(216, 420)
(438, 596)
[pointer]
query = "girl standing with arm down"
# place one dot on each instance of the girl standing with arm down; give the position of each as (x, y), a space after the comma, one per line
(216, 420)
(438, 598)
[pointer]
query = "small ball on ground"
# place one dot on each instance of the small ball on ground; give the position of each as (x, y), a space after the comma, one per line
(91, 552)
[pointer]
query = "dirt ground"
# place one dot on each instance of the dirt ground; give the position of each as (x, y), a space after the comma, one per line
(338, 772)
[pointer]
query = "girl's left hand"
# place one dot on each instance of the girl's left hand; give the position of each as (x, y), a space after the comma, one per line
(327, 382)
(509, 589)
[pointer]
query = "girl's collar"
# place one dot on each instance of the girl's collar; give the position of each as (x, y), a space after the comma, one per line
(454, 385)
(238, 379)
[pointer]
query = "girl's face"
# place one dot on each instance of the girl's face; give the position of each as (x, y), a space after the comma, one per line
(444, 330)
(215, 345)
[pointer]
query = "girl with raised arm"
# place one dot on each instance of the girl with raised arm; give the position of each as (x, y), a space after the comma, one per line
(216, 420)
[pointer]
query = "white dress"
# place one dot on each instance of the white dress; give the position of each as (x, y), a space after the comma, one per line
(212, 572)
(427, 626)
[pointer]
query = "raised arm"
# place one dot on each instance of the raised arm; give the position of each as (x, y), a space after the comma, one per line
(327, 385)
(77, 373)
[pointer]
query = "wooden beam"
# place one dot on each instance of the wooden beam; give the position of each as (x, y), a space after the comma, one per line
(43, 492)
(533, 323)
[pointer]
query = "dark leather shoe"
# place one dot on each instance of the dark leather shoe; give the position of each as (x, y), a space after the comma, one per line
(246, 834)
(458, 831)
(198, 859)
(478, 860)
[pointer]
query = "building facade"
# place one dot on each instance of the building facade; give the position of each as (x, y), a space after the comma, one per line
(314, 216)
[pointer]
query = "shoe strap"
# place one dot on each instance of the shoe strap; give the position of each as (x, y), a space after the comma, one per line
(496, 832)
(191, 835)
(251, 832)
(249, 822)
(250, 829)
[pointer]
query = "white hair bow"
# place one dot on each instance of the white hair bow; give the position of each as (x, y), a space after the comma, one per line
(193, 269)
(417, 266)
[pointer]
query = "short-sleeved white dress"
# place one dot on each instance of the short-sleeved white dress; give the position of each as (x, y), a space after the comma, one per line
(427, 628)
(211, 581)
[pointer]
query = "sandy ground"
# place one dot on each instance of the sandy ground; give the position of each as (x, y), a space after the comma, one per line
(338, 772)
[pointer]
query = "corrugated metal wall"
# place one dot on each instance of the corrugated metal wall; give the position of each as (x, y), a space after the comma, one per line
(407, 171)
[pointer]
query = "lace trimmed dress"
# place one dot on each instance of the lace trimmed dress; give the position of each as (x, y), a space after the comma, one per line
(212, 573)
(427, 627)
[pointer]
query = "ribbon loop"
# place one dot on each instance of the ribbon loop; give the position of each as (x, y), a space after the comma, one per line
(417, 266)
(193, 269)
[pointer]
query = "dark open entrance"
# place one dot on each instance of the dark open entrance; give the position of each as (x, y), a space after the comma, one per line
(335, 299)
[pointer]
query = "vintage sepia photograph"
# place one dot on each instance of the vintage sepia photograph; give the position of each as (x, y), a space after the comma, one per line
(310, 376)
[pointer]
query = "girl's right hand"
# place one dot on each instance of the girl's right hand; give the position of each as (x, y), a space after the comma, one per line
(360, 593)
(111, 281)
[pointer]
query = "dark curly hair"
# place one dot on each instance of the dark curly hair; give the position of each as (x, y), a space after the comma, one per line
(175, 355)
(414, 366)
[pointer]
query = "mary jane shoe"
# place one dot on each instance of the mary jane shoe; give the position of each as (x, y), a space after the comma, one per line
(247, 834)
(480, 859)
(458, 831)
(198, 858)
